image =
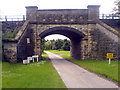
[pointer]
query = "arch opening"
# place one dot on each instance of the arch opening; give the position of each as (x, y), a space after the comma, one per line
(74, 35)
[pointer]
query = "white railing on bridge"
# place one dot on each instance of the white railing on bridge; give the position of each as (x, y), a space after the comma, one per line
(12, 17)
(109, 16)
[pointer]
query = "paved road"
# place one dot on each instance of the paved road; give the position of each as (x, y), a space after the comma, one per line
(76, 77)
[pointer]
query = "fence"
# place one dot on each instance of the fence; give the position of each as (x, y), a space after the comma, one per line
(109, 16)
(13, 18)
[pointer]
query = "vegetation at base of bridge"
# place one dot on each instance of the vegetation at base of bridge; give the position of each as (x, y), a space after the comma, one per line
(100, 67)
(34, 75)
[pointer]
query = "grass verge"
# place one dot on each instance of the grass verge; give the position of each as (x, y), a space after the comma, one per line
(45, 56)
(98, 67)
(34, 75)
(58, 52)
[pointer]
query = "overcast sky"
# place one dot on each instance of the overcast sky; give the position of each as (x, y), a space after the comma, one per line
(17, 7)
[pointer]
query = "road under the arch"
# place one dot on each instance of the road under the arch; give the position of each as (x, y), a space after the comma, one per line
(76, 77)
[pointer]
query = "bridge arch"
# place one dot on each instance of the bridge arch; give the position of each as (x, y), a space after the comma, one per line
(73, 34)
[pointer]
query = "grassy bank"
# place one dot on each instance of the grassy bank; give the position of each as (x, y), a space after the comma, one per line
(59, 52)
(34, 75)
(99, 67)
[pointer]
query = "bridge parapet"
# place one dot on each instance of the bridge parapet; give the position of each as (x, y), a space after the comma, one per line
(52, 16)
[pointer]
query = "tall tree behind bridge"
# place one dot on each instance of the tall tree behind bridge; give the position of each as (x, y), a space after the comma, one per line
(117, 7)
(56, 44)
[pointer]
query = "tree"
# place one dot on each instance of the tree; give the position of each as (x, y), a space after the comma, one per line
(66, 45)
(48, 45)
(117, 7)
(43, 44)
(58, 44)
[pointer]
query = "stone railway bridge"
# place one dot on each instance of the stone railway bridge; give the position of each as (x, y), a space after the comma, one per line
(90, 37)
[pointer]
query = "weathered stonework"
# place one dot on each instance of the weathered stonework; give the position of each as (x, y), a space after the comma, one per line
(10, 51)
(90, 38)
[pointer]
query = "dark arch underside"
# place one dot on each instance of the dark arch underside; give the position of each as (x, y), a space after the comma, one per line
(69, 32)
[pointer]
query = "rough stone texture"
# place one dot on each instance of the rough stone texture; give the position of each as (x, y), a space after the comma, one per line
(31, 12)
(11, 26)
(52, 16)
(75, 52)
(93, 12)
(16, 49)
(25, 49)
(114, 23)
(108, 40)
(90, 38)
(62, 16)
(10, 51)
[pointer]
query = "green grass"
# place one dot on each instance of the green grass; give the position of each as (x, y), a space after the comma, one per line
(98, 67)
(44, 55)
(59, 52)
(34, 75)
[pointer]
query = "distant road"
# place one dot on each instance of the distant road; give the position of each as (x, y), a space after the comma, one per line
(76, 77)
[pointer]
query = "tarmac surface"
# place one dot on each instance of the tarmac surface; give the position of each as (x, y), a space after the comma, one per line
(75, 76)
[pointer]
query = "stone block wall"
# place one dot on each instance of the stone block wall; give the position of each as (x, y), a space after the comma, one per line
(35, 38)
(24, 47)
(11, 26)
(108, 41)
(52, 16)
(10, 51)
(114, 23)
(94, 46)
(87, 45)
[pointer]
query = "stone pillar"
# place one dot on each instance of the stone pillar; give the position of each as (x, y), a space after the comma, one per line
(93, 12)
(75, 49)
(92, 43)
(37, 41)
(31, 13)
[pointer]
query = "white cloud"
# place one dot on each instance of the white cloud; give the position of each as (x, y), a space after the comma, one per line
(17, 7)
(55, 37)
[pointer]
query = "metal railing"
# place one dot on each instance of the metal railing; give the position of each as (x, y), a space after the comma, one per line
(13, 18)
(109, 16)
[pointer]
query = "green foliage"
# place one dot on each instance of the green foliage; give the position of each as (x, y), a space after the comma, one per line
(43, 44)
(9, 34)
(56, 44)
(48, 45)
(59, 52)
(44, 55)
(66, 45)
